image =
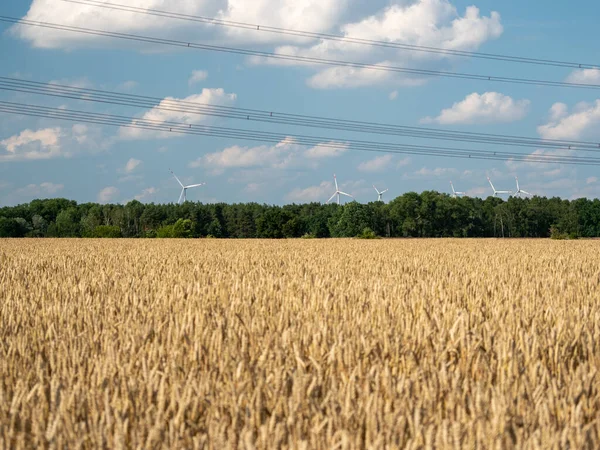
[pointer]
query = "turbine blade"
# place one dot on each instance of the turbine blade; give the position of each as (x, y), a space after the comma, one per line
(181, 196)
(376, 189)
(195, 185)
(343, 193)
(180, 183)
(493, 188)
(335, 179)
(383, 192)
(331, 198)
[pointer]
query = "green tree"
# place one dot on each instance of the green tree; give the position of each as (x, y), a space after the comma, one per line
(107, 231)
(67, 223)
(12, 228)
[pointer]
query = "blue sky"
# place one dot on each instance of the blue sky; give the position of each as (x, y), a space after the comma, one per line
(42, 158)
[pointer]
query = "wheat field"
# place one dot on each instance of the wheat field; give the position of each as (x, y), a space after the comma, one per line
(334, 344)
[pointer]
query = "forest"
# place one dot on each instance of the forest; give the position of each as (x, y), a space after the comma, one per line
(429, 214)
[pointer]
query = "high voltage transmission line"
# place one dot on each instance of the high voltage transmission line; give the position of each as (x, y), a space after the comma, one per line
(256, 115)
(253, 135)
(287, 57)
(331, 37)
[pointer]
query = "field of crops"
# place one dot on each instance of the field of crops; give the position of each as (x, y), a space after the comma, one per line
(299, 344)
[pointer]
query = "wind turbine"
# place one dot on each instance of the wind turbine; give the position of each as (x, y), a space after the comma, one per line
(521, 191)
(184, 189)
(498, 192)
(379, 194)
(455, 193)
(337, 192)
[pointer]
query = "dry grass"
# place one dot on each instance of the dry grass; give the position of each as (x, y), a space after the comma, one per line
(299, 344)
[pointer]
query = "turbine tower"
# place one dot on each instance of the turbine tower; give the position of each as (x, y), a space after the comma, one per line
(183, 195)
(337, 192)
(521, 191)
(455, 194)
(496, 193)
(379, 194)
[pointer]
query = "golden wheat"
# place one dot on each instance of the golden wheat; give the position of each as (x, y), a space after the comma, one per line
(299, 344)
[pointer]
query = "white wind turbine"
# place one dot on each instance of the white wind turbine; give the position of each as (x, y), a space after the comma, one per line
(183, 195)
(455, 193)
(521, 191)
(337, 192)
(379, 194)
(496, 193)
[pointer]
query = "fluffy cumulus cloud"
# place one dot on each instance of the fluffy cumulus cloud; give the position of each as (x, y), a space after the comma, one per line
(197, 77)
(164, 112)
(146, 194)
(489, 107)
(282, 155)
(27, 193)
(30, 144)
(108, 194)
(131, 165)
(434, 23)
(426, 172)
(312, 193)
(583, 121)
(39, 190)
(377, 164)
(312, 15)
(584, 76)
(49, 143)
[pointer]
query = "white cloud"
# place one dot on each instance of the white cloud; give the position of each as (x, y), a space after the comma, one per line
(128, 85)
(34, 145)
(131, 165)
(393, 95)
(330, 149)
(376, 164)
(197, 76)
(480, 191)
(544, 171)
(591, 180)
(82, 83)
(46, 138)
(253, 188)
(49, 143)
(313, 193)
(43, 189)
(489, 107)
(584, 76)
(425, 172)
(162, 113)
(404, 162)
(348, 77)
(284, 154)
(583, 121)
(311, 15)
(146, 194)
(107, 194)
(434, 23)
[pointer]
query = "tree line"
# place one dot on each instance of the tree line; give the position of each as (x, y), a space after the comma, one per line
(429, 214)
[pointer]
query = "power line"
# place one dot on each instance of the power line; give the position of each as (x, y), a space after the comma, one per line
(332, 37)
(255, 115)
(304, 140)
(303, 59)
